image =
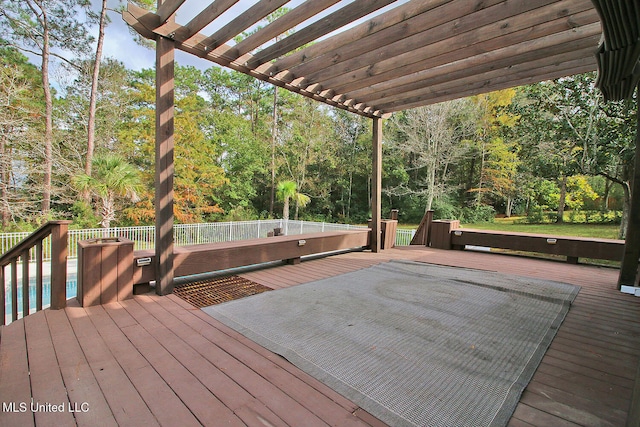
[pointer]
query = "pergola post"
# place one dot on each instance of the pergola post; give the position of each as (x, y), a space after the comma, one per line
(376, 186)
(165, 51)
(629, 266)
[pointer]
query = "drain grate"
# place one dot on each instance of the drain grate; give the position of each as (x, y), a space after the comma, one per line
(210, 292)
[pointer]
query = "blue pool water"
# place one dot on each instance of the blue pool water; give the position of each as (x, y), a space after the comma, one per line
(72, 287)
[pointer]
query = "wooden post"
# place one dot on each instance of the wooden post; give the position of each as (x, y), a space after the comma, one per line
(376, 186)
(165, 50)
(629, 266)
(59, 250)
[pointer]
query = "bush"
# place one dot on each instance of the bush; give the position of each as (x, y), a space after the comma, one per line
(480, 213)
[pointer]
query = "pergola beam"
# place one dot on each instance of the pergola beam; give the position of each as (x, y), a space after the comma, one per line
(242, 22)
(395, 52)
(456, 48)
(498, 78)
(278, 27)
(336, 20)
(492, 62)
(329, 48)
(208, 15)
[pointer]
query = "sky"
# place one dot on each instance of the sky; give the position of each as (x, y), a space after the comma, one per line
(120, 44)
(119, 41)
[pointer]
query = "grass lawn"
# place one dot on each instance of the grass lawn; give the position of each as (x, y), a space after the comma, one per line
(604, 231)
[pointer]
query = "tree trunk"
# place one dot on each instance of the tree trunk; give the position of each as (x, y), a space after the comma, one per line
(285, 209)
(274, 135)
(607, 189)
(91, 126)
(48, 133)
(5, 164)
(563, 198)
(626, 209)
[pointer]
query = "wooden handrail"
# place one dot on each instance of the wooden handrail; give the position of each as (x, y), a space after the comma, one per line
(58, 230)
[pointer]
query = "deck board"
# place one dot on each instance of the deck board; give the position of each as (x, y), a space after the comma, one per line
(159, 361)
(15, 387)
(78, 378)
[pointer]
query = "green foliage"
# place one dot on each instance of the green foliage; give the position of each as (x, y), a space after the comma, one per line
(507, 151)
(84, 216)
(112, 180)
(479, 213)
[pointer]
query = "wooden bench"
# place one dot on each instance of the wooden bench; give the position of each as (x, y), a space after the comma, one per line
(571, 247)
(197, 259)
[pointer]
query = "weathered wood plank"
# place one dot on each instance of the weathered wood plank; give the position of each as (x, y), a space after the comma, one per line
(47, 386)
(127, 406)
(537, 417)
(236, 385)
(164, 165)
(15, 388)
(204, 405)
(582, 385)
(559, 245)
(589, 409)
(242, 22)
(83, 390)
(446, 44)
(278, 27)
(203, 258)
(305, 389)
(165, 405)
(335, 20)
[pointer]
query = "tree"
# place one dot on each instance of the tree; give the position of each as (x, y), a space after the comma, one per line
(20, 103)
(38, 27)
(305, 151)
(286, 191)
(353, 163)
(113, 179)
(430, 140)
(566, 129)
(496, 168)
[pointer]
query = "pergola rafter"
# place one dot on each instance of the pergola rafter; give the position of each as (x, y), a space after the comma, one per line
(398, 49)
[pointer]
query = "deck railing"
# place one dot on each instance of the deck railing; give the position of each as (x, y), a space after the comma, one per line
(19, 274)
(185, 234)
(51, 238)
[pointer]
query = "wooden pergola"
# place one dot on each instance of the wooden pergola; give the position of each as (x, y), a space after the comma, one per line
(372, 58)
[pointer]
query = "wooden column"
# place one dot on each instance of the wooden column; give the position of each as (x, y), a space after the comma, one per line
(629, 266)
(165, 50)
(376, 185)
(59, 252)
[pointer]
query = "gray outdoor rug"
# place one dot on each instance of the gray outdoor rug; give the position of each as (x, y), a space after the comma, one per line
(414, 344)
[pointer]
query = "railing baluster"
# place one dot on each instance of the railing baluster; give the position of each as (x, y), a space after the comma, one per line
(39, 261)
(14, 289)
(25, 282)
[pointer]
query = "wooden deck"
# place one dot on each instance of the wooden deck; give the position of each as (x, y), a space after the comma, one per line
(158, 361)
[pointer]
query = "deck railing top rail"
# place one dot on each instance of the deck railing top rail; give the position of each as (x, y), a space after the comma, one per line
(58, 233)
(30, 241)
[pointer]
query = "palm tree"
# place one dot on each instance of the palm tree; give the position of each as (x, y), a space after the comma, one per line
(112, 178)
(287, 190)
